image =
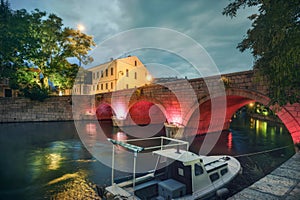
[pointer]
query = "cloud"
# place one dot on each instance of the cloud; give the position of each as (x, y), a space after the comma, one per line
(201, 20)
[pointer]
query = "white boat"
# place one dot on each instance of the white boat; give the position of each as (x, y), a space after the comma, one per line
(185, 175)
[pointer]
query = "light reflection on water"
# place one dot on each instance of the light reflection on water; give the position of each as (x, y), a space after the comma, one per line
(48, 160)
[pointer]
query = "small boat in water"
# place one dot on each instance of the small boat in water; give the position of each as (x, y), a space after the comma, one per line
(185, 175)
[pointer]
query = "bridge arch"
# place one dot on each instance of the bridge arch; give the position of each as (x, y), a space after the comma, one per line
(237, 98)
(145, 111)
(287, 114)
(104, 111)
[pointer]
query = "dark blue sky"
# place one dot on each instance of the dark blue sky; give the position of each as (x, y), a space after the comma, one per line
(202, 21)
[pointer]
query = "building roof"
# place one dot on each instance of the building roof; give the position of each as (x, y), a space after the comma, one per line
(101, 65)
(124, 59)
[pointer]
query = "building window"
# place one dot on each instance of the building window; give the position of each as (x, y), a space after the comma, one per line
(102, 73)
(135, 63)
(126, 86)
(112, 85)
(94, 74)
(127, 73)
(97, 87)
(97, 74)
(93, 87)
(112, 71)
(106, 72)
(106, 86)
(135, 75)
(101, 86)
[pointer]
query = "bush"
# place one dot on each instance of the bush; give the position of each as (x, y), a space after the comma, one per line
(36, 93)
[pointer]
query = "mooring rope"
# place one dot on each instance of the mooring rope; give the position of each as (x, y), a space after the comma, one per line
(262, 152)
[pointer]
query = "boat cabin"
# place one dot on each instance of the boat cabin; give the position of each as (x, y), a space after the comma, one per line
(179, 173)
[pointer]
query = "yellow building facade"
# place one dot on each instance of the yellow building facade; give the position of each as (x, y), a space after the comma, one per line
(119, 74)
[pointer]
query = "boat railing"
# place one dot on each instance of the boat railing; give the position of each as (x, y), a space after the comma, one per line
(126, 143)
(165, 143)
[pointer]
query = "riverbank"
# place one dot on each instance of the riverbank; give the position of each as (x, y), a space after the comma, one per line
(283, 183)
(269, 118)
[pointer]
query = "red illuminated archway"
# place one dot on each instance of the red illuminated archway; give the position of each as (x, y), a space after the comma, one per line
(104, 112)
(237, 98)
(145, 112)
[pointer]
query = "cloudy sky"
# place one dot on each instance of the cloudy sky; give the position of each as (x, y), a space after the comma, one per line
(169, 46)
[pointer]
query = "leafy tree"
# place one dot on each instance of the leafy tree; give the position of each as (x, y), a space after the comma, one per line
(274, 40)
(35, 48)
(13, 36)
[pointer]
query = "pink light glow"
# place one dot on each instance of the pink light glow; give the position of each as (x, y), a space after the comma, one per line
(229, 144)
(175, 119)
(90, 111)
(120, 110)
(121, 136)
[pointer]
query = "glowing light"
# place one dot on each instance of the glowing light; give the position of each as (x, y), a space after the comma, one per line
(80, 27)
(252, 123)
(175, 119)
(60, 93)
(251, 104)
(265, 112)
(121, 136)
(261, 127)
(54, 160)
(229, 144)
(120, 110)
(63, 178)
(149, 78)
(90, 111)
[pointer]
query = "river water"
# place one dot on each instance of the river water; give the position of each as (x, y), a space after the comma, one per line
(48, 160)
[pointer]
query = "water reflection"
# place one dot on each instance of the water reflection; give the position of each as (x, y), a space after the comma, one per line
(253, 135)
(48, 160)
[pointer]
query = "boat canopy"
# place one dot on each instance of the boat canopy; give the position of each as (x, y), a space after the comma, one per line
(165, 143)
(183, 156)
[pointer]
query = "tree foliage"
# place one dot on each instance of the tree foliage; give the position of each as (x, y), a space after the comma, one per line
(274, 40)
(35, 48)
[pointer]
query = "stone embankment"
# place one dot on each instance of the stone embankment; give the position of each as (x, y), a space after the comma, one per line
(281, 184)
(26, 110)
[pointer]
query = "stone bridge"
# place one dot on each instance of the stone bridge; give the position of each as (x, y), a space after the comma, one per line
(204, 103)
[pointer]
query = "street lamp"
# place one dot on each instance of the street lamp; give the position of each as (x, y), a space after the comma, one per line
(149, 78)
(80, 27)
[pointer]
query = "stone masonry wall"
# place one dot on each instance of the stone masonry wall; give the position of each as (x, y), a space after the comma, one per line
(26, 110)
